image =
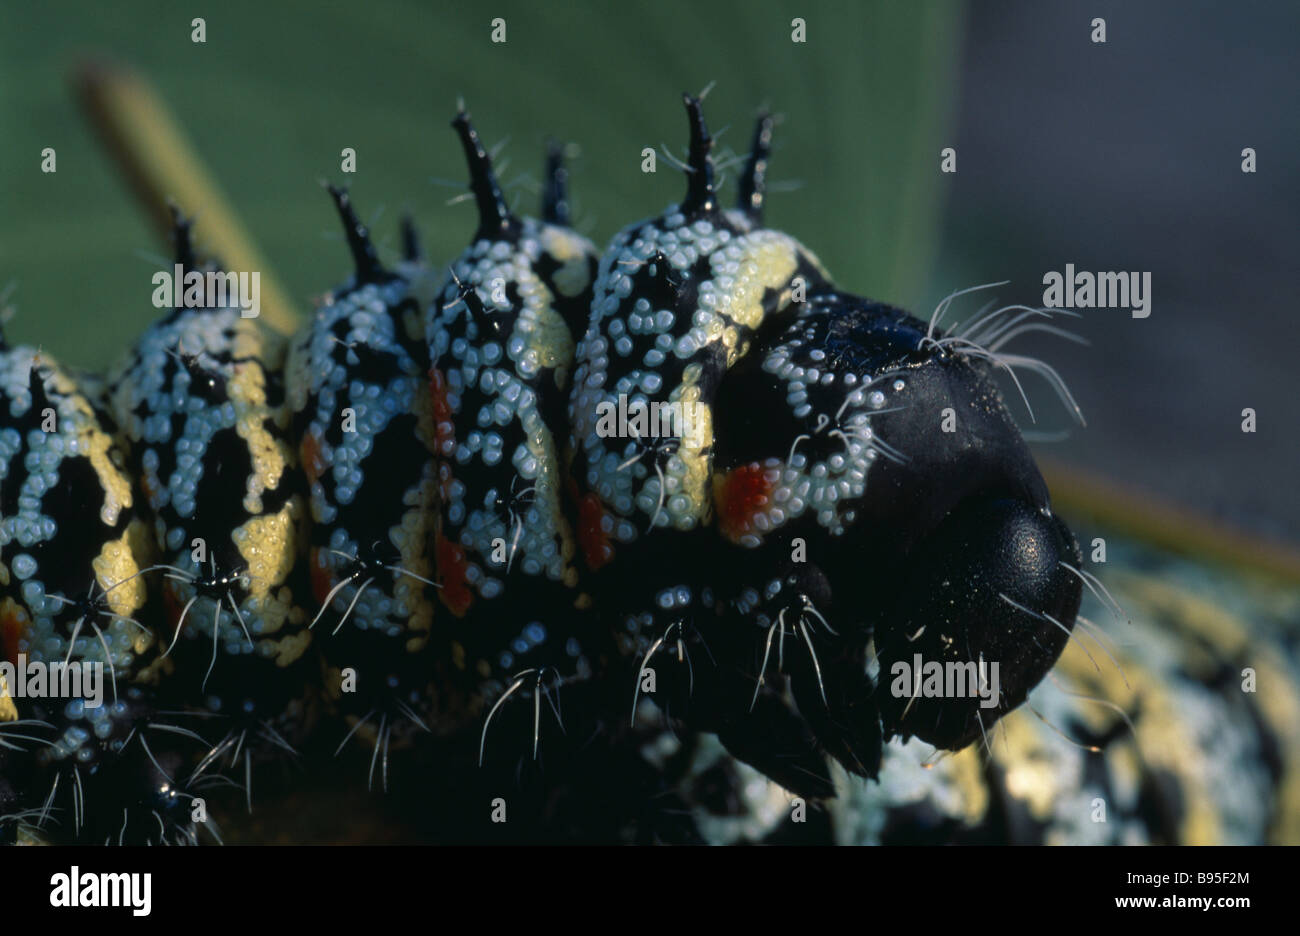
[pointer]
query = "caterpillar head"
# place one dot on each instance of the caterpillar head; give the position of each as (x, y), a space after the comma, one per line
(988, 582)
(915, 491)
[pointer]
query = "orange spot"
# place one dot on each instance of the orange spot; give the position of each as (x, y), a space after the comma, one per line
(739, 496)
(310, 455)
(321, 580)
(455, 593)
(593, 539)
(442, 415)
(150, 491)
(15, 629)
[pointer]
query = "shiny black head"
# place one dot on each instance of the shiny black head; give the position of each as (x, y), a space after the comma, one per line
(932, 521)
(967, 570)
(982, 612)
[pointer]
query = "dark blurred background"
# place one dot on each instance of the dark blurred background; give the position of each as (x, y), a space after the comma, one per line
(1117, 156)
(1127, 156)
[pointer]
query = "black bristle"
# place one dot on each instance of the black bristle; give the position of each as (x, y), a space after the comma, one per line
(753, 182)
(182, 242)
(494, 217)
(487, 325)
(700, 194)
(36, 386)
(364, 256)
(411, 251)
(555, 193)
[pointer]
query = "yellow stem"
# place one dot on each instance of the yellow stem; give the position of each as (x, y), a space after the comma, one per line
(160, 165)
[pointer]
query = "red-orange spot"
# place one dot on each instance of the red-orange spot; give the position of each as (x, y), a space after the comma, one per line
(442, 414)
(321, 581)
(592, 538)
(310, 455)
(455, 593)
(15, 629)
(739, 496)
(150, 491)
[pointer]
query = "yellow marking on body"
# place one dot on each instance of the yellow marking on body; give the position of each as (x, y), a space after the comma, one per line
(1224, 636)
(541, 445)
(769, 262)
(411, 537)
(550, 336)
(95, 444)
(696, 445)
(574, 252)
(155, 672)
(116, 571)
(967, 775)
(269, 547)
(1163, 740)
(1279, 704)
(268, 454)
(8, 708)
(291, 648)
(1029, 767)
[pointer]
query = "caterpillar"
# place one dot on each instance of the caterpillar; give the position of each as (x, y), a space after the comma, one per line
(445, 523)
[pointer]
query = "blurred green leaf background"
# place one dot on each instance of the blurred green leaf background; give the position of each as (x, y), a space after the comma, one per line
(279, 89)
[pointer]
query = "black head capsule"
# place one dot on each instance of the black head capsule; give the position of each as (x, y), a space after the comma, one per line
(955, 548)
(495, 220)
(923, 504)
(987, 605)
(364, 255)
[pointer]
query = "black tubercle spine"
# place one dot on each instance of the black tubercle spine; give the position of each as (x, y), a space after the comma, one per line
(495, 220)
(364, 255)
(182, 242)
(701, 197)
(411, 251)
(753, 183)
(555, 193)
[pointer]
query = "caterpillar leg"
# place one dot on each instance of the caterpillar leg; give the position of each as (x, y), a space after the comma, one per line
(776, 740)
